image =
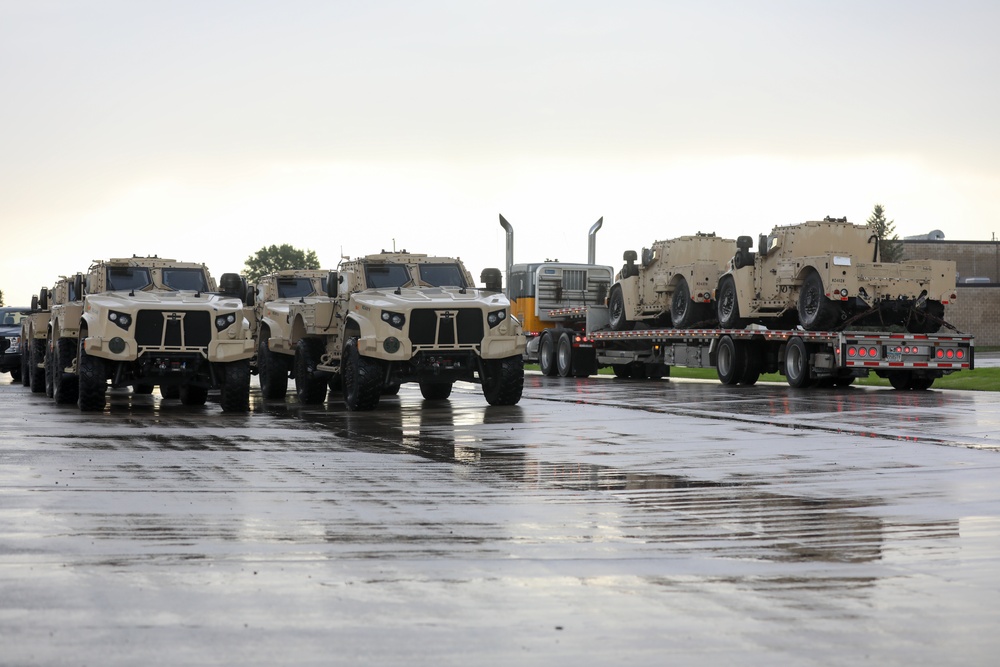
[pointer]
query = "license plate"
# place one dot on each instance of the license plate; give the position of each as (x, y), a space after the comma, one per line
(893, 356)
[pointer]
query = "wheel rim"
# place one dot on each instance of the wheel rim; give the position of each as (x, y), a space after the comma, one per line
(725, 360)
(565, 355)
(727, 301)
(793, 362)
(617, 306)
(545, 354)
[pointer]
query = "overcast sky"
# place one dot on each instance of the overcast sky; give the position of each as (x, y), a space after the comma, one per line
(205, 130)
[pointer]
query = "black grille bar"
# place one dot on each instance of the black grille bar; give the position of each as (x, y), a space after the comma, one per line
(167, 328)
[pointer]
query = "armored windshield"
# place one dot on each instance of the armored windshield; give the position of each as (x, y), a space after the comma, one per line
(380, 276)
(442, 275)
(289, 288)
(128, 278)
(185, 279)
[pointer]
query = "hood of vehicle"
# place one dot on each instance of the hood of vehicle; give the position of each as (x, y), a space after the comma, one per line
(165, 300)
(430, 297)
(10, 330)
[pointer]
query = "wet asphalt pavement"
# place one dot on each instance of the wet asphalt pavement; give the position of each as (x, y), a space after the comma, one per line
(598, 522)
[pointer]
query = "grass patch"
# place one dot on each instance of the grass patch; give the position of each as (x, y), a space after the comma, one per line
(980, 379)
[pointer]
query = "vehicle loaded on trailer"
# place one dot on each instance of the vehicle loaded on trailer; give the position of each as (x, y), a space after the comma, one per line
(538, 291)
(147, 321)
(398, 317)
(787, 288)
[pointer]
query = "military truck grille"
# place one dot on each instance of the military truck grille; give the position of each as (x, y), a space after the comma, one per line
(458, 326)
(159, 328)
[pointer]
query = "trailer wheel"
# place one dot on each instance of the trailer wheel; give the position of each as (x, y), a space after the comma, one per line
(816, 312)
(37, 366)
(683, 311)
(730, 361)
(362, 378)
(657, 371)
(797, 363)
(92, 381)
(503, 380)
(272, 369)
(616, 311)
(622, 370)
(727, 305)
(547, 354)
(921, 382)
(564, 356)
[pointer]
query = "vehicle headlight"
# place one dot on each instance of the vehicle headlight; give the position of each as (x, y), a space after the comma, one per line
(395, 320)
(496, 317)
(121, 319)
(222, 322)
(15, 343)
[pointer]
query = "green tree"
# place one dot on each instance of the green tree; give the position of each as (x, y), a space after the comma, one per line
(890, 248)
(279, 258)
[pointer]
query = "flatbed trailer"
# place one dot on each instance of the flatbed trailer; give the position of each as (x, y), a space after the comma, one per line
(740, 356)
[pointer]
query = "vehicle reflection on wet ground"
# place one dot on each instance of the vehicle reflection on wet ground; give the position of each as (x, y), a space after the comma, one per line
(598, 521)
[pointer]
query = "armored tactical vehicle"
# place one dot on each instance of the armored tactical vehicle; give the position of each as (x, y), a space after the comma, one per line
(34, 334)
(271, 326)
(146, 321)
(826, 275)
(672, 286)
(397, 317)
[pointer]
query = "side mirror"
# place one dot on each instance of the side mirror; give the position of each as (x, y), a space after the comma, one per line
(251, 296)
(332, 284)
(78, 287)
(492, 280)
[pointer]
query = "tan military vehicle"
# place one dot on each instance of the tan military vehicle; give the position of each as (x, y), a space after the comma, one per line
(271, 327)
(403, 317)
(65, 304)
(146, 321)
(827, 275)
(34, 337)
(672, 286)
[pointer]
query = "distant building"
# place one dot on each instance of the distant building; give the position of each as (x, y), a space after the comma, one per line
(977, 309)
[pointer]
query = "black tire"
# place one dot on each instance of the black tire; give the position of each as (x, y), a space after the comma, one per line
(638, 370)
(310, 384)
(193, 394)
(730, 361)
(435, 391)
(547, 354)
(928, 320)
(503, 380)
(754, 354)
(15, 374)
(92, 381)
(36, 371)
(391, 389)
(335, 383)
(272, 370)
(24, 373)
(235, 392)
(65, 386)
(727, 305)
(816, 312)
(143, 388)
(657, 371)
(170, 391)
(362, 378)
(564, 355)
(921, 382)
(842, 382)
(50, 366)
(622, 370)
(616, 311)
(797, 364)
(684, 312)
